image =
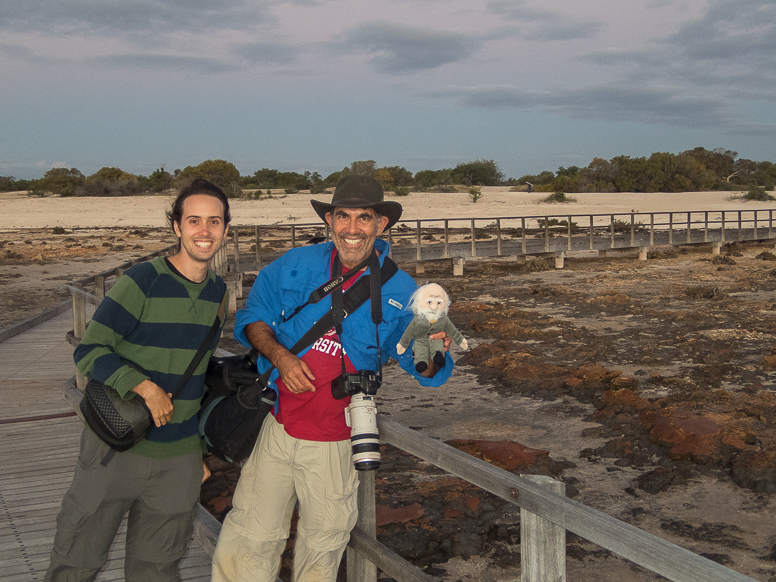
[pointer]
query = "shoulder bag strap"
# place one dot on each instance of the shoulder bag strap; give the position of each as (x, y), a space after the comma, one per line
(206, 343)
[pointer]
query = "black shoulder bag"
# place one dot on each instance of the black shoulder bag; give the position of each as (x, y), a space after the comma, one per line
(238, 399)
(122, 424)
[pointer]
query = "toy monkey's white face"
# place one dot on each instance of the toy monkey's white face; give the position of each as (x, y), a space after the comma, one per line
(432, 305)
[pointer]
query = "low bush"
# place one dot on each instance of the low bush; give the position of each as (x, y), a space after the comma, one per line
(559, 198)
(759, 194)
(555, 222)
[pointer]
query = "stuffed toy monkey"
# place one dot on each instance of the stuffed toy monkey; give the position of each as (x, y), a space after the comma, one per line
(429, 304)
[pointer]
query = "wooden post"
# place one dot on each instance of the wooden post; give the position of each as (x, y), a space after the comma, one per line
(546, 234)
(670, 228)
(591, 232)
(79, 327)
(458, 267)
(569, 232)
(293, 236)
(360, 569)
(420, 267)
(715, 248)
(542, 543)
(706, 226)
(258, 248)
(611, 229)
(99, 286)
(447, 240)
(689, 226)
(522, 228)
(723, 227)
(498, 237)
(643, 253)
(633, 229)
(559, 260)
(474, 244)
(651, 228)
(739, 227)
(236, 235)
(418, 252)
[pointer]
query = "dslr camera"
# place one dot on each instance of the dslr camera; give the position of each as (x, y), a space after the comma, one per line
(361, 416)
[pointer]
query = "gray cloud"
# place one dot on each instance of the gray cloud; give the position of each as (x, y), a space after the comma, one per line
(645, 104)
(266, 52)
(171, 62)
(131, 17)
(543, 25)
(399, 48)
(730, 50)
(27, 55)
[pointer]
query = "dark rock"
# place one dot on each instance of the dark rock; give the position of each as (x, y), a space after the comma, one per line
(755, 470)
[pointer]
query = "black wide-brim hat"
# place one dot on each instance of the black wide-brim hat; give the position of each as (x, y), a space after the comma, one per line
(355, 191)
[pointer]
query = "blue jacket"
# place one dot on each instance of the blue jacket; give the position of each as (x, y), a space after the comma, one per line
(287, 282)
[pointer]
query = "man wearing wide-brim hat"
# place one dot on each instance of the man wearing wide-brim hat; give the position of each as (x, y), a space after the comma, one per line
(304, 451)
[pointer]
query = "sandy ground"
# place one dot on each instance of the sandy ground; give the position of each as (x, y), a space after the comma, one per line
(23, 211)
(100, 233)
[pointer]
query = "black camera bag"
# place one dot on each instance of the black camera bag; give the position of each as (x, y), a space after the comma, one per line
(234, 408)
(119, 423)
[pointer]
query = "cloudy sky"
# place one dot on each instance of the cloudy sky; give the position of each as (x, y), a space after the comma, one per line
(425, 84)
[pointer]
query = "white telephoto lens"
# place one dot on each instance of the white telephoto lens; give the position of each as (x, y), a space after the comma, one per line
(364, 438)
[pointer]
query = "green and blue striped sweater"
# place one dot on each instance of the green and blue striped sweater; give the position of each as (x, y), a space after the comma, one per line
(157, 319)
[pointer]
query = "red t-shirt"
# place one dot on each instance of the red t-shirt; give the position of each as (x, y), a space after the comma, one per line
(318, 416)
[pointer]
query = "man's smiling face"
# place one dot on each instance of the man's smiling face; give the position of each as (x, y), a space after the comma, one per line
(201, 228)
(354, 231)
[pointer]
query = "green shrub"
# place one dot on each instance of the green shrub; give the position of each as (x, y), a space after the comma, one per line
(475, 194)
(558, 198)
(555, 222)
(401, 191)
(759, 194)
(233, 190)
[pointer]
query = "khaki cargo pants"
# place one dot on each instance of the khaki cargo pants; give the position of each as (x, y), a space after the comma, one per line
(280, 471)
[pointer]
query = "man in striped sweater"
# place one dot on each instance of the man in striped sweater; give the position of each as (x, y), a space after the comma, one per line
(156, 317)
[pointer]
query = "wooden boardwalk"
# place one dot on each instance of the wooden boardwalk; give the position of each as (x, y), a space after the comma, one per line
(40, 435)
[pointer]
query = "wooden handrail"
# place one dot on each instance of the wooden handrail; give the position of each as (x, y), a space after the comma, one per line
(561, 232)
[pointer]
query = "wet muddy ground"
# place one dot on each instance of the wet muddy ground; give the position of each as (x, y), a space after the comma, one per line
(648, 388)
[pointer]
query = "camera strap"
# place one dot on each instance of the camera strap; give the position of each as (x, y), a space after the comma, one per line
(331, 285)
(375, 293)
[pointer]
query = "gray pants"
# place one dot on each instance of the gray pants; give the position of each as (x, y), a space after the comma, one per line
(161, 497)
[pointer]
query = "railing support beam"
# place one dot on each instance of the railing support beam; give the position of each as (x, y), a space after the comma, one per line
(542, 543)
